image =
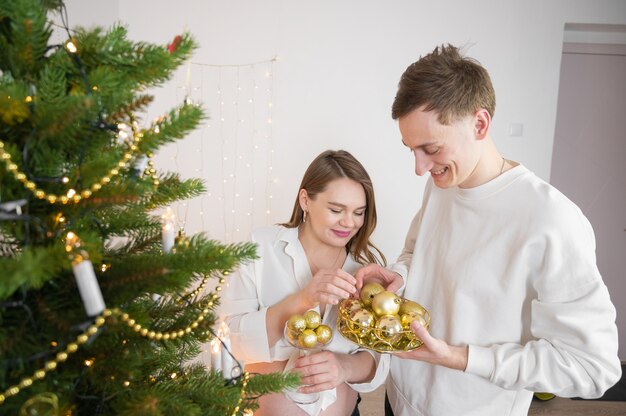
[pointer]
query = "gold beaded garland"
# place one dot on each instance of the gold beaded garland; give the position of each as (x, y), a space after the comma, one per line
(74, 196)
(125, 317)
(52, 364)
(244, 383)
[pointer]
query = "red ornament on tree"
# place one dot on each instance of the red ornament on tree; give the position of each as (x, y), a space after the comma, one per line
(174, 45)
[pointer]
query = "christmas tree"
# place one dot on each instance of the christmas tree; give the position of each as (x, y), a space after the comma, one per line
(101, 310)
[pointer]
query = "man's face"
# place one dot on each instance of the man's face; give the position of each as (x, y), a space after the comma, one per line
(449, 152)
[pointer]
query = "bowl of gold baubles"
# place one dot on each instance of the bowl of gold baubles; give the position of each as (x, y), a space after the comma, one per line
(306, 331)
(380, 320)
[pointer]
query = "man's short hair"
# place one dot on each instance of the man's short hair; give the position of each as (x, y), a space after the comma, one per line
(446, 82)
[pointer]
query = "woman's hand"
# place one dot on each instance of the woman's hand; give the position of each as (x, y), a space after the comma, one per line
(320, 371)
(329, 286)
(326, 370)
(392, 281)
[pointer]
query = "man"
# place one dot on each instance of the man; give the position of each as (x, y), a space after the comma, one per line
(504, 262)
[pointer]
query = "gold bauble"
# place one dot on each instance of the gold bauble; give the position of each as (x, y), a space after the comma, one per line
(313, 319)
(408, 306)
(351, 305)
(368, 291)
(292, 335)
(324, 334)
(361, 320)
(389, 328)
(406, 320)
(296, 323)
(307, 339)
(386, 303)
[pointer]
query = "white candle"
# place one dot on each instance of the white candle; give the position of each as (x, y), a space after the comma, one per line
(88, 287)
(168, 231)
(216, 354)
(227, 359)
(140, 164)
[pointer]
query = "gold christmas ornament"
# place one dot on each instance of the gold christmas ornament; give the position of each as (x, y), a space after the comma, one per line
(301, 337)
(313, 319)
(368, 291)
(406, 320)
(40, 405)
(382, 333)
(307, 339)
(408, 306)
(324, 334)
(389, 328)
(386, 303)
(352, 305)
(297, 323)
(362, 320)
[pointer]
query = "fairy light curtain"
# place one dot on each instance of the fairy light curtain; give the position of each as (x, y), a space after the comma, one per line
(232, 152)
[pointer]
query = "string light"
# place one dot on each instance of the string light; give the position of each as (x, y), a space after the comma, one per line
(71, 47)
(239, 97)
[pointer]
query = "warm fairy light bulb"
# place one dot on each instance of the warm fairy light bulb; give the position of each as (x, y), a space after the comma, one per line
(71, 47)
(88, 363)
(71, 193)
(65, 179)
(71, 241)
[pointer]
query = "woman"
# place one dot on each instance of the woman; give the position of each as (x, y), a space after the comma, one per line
(307, 263)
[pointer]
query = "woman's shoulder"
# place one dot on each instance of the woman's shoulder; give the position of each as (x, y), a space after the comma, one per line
(272, 233)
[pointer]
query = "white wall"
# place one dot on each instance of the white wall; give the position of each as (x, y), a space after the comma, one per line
(339, 64)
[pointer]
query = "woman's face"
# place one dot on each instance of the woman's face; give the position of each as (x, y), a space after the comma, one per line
(336, 214)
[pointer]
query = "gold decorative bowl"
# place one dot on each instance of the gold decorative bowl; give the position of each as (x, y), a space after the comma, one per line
(380, 333)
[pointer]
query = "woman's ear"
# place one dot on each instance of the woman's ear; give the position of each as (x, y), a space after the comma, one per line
(303, 199)
(482, 122)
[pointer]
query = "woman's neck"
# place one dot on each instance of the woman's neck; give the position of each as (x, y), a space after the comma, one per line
(320, 255)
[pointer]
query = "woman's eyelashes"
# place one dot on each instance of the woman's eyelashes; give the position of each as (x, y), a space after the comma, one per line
(339, 211)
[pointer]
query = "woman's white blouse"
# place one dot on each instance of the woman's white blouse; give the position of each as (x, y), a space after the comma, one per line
(281, 269)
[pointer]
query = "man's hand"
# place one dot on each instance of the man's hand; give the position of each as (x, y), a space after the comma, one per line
(436, 351)
(392, 281)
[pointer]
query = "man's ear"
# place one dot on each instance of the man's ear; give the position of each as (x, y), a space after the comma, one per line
(482, 122)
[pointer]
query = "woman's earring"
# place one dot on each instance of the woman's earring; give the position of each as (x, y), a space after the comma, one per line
(303, 216)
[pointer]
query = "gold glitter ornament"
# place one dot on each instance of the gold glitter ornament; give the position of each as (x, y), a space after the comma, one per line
(368, 291)
(313, 319)
(386, 303)
(389, 328)
(307, 339)
(296, 323)
(324, 334)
